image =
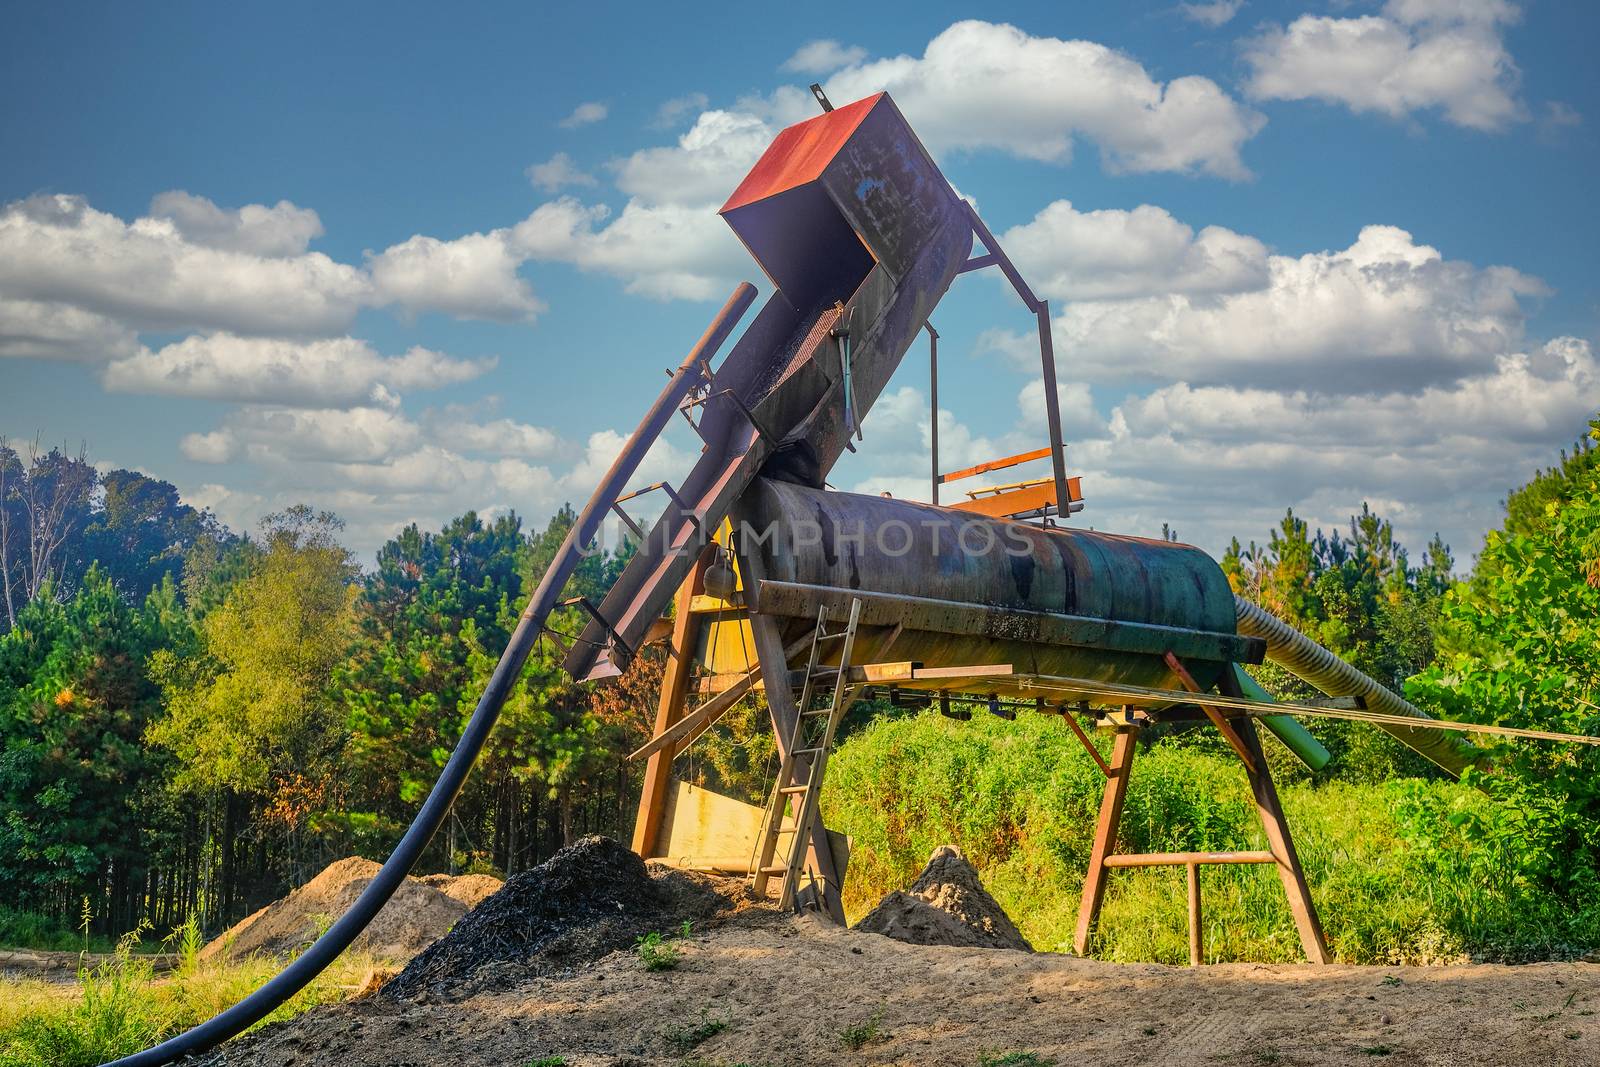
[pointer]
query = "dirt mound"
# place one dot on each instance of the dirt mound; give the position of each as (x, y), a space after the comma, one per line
(946, 905)
(584, 902)
(415, 917)
(470, 889)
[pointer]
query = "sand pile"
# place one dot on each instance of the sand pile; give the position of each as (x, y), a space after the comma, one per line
(584, 902)
(470, 889)
(416, 916)
(946, 905)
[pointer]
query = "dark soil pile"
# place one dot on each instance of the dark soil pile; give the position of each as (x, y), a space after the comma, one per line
(586, 901)
(946, 905)
(416, 916)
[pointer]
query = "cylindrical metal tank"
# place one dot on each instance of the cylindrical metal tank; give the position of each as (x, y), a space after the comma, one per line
(1060, 601)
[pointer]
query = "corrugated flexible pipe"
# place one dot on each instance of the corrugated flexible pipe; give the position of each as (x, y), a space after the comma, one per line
(1310, 662)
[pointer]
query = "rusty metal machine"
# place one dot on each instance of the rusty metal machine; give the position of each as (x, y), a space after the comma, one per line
(817, 596)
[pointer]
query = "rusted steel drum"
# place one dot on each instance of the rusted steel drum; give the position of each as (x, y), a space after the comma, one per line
(965, 589)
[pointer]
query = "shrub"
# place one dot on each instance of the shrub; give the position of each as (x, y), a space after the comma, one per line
(1401, 871)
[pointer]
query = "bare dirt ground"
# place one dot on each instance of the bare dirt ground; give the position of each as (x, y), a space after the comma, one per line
(788, 989)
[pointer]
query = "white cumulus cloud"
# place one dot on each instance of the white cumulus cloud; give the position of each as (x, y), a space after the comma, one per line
(1213, 14)
(982, 85)
(470, 277)
(341, 370)
(280, 230)
(558, 172)
(585, 114)
(1067, 254)
(1417, 55)
(149, 275)
(820, 57)
(665, 251)
(1384, 313)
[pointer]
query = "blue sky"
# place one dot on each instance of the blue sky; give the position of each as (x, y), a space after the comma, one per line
(401, 261)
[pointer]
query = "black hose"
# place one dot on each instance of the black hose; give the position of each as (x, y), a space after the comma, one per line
(289, 981)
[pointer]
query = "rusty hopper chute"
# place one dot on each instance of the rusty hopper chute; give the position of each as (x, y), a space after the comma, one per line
(852, 221)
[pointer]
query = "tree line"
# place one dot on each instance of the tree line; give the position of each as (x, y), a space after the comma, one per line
(192, 719)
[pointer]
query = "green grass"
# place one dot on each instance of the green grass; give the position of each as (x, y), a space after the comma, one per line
(1394, 871)
(685, 1038)
(656, 953)
(862, 1033)
(1014, 1059)
(24, 929)
(121, 1005)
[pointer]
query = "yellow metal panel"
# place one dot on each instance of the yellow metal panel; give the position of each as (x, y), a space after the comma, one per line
(705, 829)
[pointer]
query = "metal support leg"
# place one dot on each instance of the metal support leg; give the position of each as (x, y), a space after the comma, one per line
(1197, 948)
(674, 697)
(1105, 835)
(1281, 843)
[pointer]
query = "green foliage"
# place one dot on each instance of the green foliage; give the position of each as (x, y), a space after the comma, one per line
(1357, 594)
(684, 1038)
(30, 929)
(435, 602)
(1522, 648)
(1014, 1059)
(656, 953)
(254, 709)
(858, 1035)
(1398, 870)
(74, 703)
(122, 1005)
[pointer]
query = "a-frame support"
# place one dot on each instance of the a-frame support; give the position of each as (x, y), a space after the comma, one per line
(674, 698)
(1241, 735)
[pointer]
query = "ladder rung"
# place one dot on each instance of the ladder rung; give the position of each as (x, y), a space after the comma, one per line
(794, 788)
(804, 751)
(814, 712)
(775, 870)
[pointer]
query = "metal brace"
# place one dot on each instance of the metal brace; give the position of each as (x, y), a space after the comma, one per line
(605, 624)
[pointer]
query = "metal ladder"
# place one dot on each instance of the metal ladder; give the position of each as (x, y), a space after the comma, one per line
(799, 782)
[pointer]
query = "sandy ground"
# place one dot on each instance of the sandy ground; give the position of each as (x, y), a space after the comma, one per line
(787, 990)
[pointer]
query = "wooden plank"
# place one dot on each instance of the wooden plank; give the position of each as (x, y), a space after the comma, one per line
(674, 694)
(995, 465)
(1181, 859)
(866, 673)
(667, 740)
(704, 603)
(1022, 501)
(1105, 835)
(691, 725)
(977, 670)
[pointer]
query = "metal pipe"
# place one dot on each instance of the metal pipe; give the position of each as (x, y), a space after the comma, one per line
(1286, 728)
(933, 390)
(1310, 662)
(326, 948)
(1052, 412)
